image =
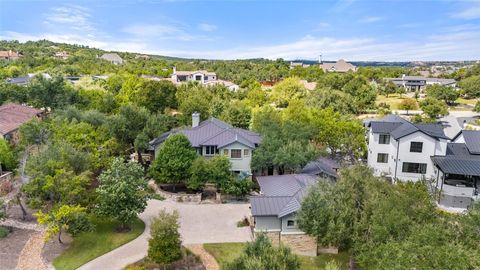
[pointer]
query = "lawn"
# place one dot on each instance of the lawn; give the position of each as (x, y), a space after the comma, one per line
(393, 100)
(88, 246)
(227, 252)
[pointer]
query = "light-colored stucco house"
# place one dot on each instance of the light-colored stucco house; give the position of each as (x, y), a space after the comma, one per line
(400, 150)
(12, 116)
(201, 76)
(458, 172)
(339, 66)
(215, 137)
(112, 58)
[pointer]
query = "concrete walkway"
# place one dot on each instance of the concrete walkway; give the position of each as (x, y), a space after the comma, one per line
(204, 223)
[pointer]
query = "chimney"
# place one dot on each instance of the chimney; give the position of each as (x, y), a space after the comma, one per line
(195, 119)
(174, 70)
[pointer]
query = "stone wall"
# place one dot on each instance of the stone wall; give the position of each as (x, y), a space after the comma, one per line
(301, 244)
(178, 197)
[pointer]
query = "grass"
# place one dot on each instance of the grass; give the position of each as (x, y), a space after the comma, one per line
(227, 252)
(88, 246)
(393, 100)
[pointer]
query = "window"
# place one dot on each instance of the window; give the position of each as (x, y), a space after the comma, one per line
(384, 139)
(246, 152)
(409, 167)
(225, 152)
(210, 150)
(290, 223)
(198, 77)
(236, 153)
(382, 158)
(416, 147)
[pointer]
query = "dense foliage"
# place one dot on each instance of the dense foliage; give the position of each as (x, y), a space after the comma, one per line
(164, 245)
(389, 226)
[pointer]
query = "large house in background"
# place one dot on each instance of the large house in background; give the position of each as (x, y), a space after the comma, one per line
(201, 76)
(112, 58)
(339, 66)
(12, 116)
(419, 83)
(10, 55)
(400, 150)
(212, 137)
(458, 172)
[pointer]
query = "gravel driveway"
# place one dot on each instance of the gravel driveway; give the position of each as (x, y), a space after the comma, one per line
(199, 223)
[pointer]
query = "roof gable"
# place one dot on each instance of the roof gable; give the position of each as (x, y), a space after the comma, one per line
(472, 140)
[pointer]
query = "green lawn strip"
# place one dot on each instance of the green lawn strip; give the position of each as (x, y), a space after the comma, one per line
(227, 252)
(88, 246)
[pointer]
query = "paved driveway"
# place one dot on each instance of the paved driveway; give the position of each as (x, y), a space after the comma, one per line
(204, 223)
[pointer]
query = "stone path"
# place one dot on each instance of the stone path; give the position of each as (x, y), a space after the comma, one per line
(207, 259)
(31, 255)
(21, 225)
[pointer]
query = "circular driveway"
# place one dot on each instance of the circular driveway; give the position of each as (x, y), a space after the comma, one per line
(199, 223)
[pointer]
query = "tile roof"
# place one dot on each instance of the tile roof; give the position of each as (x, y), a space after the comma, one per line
(213, 132)
(399, 127)
(12, 116)
(281, 194)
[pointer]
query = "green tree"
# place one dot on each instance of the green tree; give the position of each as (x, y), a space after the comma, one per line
(50, 93)
(174, 160)
(442, 92)
(261, 255)
(237, 114)
(122, 192)
(433, 107)
(408, 104)
(294, 155)
(286, 91)
(68, 218)
(164, 245)
(477, 107)
(200, 173)
(388, 89)
(156, 96)
(8, 160)
(471, 86)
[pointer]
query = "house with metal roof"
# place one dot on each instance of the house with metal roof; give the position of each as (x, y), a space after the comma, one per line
(419, 83)
(274, 210)
(112, 58)
(458, 171)
(400, 150)
(215, 137)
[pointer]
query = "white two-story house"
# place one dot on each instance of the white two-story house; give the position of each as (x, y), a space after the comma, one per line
(400, 150)
(215, 137)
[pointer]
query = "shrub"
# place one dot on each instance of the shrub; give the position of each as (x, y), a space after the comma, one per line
(3, 232)
(164, 246)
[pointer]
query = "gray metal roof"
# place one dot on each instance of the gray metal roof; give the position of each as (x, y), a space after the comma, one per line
(458, 165)
(472, 140)
(457, 149)
(322, 165)
(213, 132)
(398, 127)
(281, 194)
(19, 80)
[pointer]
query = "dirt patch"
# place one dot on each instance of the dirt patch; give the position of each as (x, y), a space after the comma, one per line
(53, 248)
(11, 247)
(15, 212)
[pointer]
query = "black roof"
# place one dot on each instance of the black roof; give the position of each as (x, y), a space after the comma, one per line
(398, 127)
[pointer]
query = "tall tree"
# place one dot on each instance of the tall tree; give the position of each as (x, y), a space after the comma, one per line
(433, 107)
(164, 245)
(442, 92)
(122, 192)
(173, 161)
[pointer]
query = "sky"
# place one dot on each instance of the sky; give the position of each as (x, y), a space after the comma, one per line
(355, 30)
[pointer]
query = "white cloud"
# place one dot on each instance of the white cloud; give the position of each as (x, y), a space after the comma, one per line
(471, 12)
(322, 26)
(370, 19)
(70, 18)
(207, 27)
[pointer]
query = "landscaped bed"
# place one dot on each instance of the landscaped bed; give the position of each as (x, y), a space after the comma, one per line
(227, 252)
(88, 246)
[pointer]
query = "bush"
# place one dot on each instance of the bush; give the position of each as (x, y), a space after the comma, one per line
(477, 107)
(3, 232)
(164, 246)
